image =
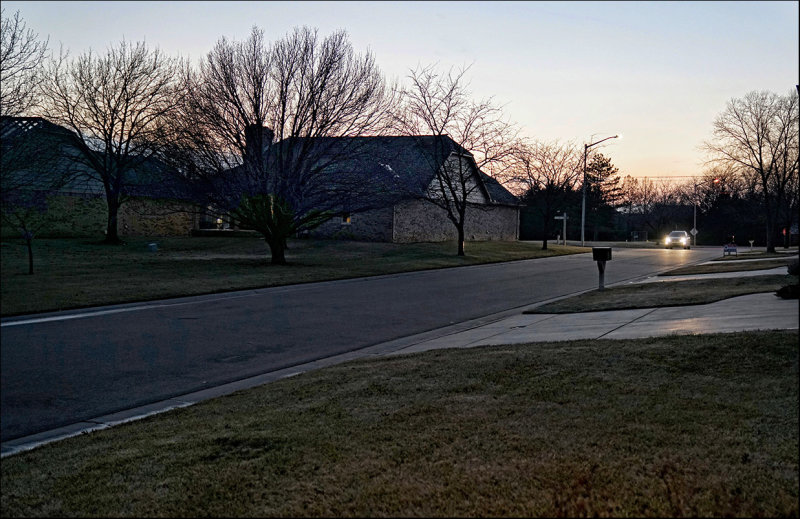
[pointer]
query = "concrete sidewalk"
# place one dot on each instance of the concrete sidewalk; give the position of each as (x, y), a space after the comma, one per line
(751, 312)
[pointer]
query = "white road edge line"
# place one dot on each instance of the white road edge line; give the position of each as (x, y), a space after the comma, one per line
(72, 316)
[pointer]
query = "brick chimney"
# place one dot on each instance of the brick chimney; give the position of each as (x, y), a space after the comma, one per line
(257, 140)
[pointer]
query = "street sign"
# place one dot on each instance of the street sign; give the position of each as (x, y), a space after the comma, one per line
(693, 232)
(563, 218)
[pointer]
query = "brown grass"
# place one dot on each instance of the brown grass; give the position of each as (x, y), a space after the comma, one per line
(741, 266)
(666, 293)
(671, 426)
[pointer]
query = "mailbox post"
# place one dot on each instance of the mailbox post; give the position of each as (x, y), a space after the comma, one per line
(601, 255)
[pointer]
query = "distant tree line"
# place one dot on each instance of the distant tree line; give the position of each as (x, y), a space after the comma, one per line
(749, 189)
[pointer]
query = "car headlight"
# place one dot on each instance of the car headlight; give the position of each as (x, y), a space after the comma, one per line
(667, 240)
(683, 241)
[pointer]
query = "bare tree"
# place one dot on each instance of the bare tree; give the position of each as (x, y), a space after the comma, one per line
(758, 136)
(21, 58)
(118, 104)
(653, 204)
(546, 172)
(263, 125)
(469, 136)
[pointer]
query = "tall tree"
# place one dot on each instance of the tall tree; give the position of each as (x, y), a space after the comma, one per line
(21, 57)
(758, 136)
(118, 104)
(547, 174)
(603, 192)
(257, 124)
(440, 105)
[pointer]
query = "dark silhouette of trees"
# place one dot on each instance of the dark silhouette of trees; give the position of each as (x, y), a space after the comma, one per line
(546, 174)
(118, 104)
(440, 105)
(757, 136)
(21, 57)
(602, 194)
(260, 131)
(654, 206)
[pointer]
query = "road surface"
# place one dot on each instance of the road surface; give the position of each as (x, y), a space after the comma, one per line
(66, 367)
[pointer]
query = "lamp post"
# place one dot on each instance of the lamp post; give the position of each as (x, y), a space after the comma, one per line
(583, 202)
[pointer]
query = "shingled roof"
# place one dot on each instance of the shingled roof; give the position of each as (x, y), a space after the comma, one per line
(412, 160)
(25, 140)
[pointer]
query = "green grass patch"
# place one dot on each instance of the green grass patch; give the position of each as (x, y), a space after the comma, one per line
(73, 273)
(713, 268)
(747, 255)
(665, 293)
(672, 426)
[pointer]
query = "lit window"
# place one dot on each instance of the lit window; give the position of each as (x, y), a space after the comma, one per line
(346, 219)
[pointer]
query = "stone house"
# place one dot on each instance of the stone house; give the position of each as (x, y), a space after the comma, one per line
(38, 155)
(492, 212)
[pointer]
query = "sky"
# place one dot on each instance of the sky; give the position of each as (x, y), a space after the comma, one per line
(658, 73)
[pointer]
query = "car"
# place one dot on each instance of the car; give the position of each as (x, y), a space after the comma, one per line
(677, 239)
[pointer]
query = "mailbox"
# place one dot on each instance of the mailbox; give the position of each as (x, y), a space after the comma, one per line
(601, 253)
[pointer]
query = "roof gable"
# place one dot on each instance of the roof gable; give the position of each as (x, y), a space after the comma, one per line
(412, 160)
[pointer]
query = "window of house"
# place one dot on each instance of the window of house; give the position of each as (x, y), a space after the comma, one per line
(346, 219)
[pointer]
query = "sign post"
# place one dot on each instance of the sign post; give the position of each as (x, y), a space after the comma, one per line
(564, 228)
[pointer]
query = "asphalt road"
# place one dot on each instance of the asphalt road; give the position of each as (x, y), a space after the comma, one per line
(66, 367)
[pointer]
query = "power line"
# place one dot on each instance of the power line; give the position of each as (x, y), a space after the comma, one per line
(665, 176)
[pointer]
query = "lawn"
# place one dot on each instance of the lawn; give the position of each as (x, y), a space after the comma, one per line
(673, 426)
(740, 266)
(666, 293)
(749, 255)
(677, 293)
(72, 273)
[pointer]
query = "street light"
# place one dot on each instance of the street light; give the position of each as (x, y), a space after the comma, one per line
(583, 203)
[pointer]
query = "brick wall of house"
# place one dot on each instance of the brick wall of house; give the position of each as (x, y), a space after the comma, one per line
(73, 216)
(66, 217)
(145, 217)
(496, 223)
(375, 225)
(416, 221)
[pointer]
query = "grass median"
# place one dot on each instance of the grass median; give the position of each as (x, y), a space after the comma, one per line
(665, 293)
(671, 426)
(78, 273)
(712, 268)
(657, 294)
(750, 255)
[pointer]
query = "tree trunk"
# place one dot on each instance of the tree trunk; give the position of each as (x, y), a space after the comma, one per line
(112, 234)
(460, 239)
(29, 243)
(546, 229)
(277, 249)
(770, 236)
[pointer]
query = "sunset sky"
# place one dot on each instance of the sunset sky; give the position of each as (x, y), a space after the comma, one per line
(656, 72)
